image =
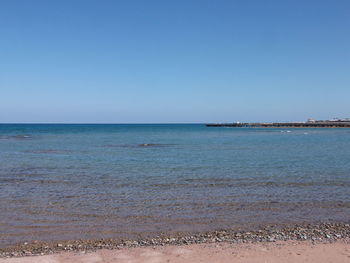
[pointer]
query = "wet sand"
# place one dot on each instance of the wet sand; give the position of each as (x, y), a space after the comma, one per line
(281, 251)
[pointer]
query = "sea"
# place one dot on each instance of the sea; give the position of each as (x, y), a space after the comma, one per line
(91, 181)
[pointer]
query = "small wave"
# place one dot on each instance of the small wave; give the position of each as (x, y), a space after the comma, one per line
(137, 145)
(15, 137)
(49, 151)
(11, 180)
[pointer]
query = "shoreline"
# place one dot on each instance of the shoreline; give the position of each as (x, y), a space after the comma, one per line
(317, 233)
(272, 252)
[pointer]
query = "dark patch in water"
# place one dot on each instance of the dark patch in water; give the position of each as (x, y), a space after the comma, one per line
(153, 145)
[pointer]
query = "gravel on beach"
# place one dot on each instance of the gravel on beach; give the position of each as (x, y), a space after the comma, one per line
(324, 232)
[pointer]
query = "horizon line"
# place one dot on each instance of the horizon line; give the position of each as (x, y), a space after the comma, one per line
(103, 123)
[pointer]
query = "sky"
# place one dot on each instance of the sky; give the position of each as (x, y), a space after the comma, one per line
(173, 61)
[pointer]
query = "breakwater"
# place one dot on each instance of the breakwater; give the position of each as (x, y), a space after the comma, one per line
(321, 124)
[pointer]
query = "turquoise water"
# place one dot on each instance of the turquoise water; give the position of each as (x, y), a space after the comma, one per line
(92, 181)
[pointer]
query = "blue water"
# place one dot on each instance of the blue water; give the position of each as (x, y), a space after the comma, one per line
(92, 181)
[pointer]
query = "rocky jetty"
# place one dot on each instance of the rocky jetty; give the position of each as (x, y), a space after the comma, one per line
(317, 124)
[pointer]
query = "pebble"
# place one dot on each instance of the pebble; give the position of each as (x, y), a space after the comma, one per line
(326, 232)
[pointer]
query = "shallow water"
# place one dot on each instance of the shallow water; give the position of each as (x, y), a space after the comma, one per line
(91, 181)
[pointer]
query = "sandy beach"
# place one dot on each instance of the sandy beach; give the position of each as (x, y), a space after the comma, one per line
(282, 251)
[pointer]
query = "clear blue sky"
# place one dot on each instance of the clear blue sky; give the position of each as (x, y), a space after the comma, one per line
(174, 61)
